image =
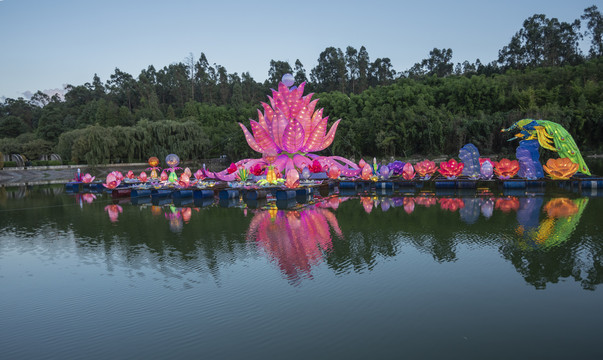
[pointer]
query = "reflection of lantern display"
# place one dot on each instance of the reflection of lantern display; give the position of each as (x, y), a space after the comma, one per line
(295, 240)
(561, 207)
(113, 211)
(172, 160)
(507, 204)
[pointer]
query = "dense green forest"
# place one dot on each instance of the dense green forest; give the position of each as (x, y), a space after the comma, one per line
(192, 108)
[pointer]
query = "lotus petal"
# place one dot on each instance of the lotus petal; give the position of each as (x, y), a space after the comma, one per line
(293, 139)
(316, 137)
(251, 140)
(316, 118)
(268, 112)
(263, 122)
(262, 138)
(279, 123)
(330, 136)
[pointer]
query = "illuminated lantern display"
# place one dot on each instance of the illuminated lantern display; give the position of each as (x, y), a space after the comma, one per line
(130, 175)
(292, 179)
(199, 175)
(184, 180)
(549, 135)
(112, 181)
(408, 172)
(153, 161)
(143, 177)
(289, 131)
(486, 170)
(560, 208)
(172, 160)
(367, 172)
(305, 174)
(87, 178)
(384, 172)
(425, 169)
(451, 169)
(560, 169)
(334, 172)
(506, 169)
(164, 176)
(271, 175)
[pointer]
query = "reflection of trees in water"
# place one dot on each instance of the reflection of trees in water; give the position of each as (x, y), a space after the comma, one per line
(186, 244)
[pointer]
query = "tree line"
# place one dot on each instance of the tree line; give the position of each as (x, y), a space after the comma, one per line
(192, 108)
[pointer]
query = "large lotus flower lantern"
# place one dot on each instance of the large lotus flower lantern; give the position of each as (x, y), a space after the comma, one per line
(290, 124)
(287, 133)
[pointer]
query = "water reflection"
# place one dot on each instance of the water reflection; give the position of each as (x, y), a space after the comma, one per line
(295, 240)
(536, 234)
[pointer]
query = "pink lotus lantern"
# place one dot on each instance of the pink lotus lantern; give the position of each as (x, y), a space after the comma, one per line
(118, 175)
(287, 133)
(130, 175)
(408, 172)
(451, 168)
(184, 180)
(188, 172)
(112, 182)
(164, 176)
(292, 179)
(290, 124)
(367, 203)
(87, 178)
(334, 172)
(361, 163)
(367, 172)
(199, 175)
(143, 177)
(425, 169)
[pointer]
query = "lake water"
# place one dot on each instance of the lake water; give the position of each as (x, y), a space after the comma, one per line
(483, 274)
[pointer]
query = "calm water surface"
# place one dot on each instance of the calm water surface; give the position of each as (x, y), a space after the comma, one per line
(410, 275)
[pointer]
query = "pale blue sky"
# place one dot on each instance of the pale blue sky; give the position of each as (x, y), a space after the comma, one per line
(47, 44)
